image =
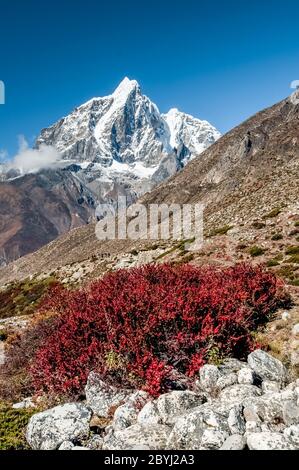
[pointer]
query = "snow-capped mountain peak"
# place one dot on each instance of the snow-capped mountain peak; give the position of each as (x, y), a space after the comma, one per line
(193, 134)
(125, 87)
(123, 142)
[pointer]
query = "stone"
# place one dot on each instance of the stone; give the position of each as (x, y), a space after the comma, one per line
(101, 397)
(286, 316)
(292, 433)
(188, 431)
(79, 448)
(25, 404)
(149, 415)
(267, 367)
(152, 437)
(126, 415)
(234, 442)
(169, 407)
(295, 330)
(231, 365)
(253, 427)
(269, 408)
(49, 429)
(226, 381)
(268, 441)
(250, 414)
(265, 427)
(172, 405)
(95, 443)
(238, 393)
(293, 385)
(67, 445)
(209, 375)
(290, 412)
(246, 376)
(236, 421)
(270, 387)
(213, 439)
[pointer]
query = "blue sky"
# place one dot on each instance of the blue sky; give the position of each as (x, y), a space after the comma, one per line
(221, 60)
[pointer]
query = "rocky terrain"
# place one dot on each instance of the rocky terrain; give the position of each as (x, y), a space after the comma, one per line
(234, 406)
(248, 182)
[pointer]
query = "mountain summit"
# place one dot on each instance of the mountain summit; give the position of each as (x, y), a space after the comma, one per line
(115, 145)
(127, 127)
(121, 144)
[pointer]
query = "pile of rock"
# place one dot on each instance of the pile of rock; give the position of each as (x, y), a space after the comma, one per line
(235, 406)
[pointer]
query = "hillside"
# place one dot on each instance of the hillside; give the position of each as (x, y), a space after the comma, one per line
(248, 182)
(36, 209)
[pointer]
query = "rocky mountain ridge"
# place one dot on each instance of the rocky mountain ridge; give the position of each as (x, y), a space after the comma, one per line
(118, 145)
(121, 143)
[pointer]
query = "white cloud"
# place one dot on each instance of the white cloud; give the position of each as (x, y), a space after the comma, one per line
(29, 160)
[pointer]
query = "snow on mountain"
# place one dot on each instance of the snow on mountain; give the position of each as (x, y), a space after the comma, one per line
(121, 143)
(189, 133)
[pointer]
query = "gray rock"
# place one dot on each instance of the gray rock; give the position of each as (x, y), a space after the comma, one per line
(226, 381)
(67, 445)
(292, 433)
(266, 366)
(149, 415)
(169, 407)
(253, 427)
(250, 414)
(188, 430)
(79, 448)
(49, 429)
(209, 375)
(172, 405)
(236, 421)
(270, 387)
(100, 397)
(25, 404)
(290, 412)
(246, 376)
(95, 443)
(126, 415)
(238, 393)
(295, 330)
(234, 442)
(293, 385)
(152, 437)
(268, 441)
(213, 439)
(286, 316)
(269, 408)
(231, 365)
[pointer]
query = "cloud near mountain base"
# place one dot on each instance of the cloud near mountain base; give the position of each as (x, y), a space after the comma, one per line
(29, 160)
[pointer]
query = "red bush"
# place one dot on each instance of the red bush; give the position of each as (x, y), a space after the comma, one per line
(141, 326)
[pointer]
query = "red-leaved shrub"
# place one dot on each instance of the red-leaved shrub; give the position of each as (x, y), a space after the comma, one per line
(142, 326)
